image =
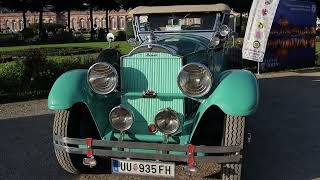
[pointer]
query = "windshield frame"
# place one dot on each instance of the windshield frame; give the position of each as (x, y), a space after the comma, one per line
(141, 35)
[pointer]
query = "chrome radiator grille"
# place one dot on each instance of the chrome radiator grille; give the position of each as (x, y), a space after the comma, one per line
(150, 71)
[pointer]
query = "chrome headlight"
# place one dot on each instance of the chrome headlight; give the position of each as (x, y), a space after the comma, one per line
(215, 41)
(121, 118)
(167, 121)
(102, 78)
(195, 80)
(224, 30)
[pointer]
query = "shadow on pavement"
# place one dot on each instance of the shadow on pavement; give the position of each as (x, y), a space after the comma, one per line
(26, 150)
(285, 131)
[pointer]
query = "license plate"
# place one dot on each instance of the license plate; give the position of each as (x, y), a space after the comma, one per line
(148, 168)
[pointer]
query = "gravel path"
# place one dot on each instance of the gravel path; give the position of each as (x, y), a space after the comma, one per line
(285, 135)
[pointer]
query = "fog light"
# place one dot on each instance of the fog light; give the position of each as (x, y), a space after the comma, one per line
(121, 118)
(167, 121)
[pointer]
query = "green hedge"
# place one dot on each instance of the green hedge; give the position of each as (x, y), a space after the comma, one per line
(35, 75)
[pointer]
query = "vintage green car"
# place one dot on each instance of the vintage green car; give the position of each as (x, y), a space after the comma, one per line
(180, 96)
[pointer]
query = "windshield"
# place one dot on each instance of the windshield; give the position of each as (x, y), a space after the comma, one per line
(177, 22)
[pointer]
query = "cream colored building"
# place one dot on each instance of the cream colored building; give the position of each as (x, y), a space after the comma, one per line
(80, 20)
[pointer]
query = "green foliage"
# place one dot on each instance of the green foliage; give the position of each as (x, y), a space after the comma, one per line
(11, 76)
(101, 34)
(122, 46)
(36, 74)
(53, 27)
(129, 30)
(8, 39)
(28, 33)
(121, 36)
(61, 37)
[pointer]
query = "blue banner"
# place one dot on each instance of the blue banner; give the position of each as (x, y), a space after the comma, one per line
(292, 39)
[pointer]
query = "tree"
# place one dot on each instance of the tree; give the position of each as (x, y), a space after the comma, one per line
(111, 5)
(99, 4)
(61, 5)
(18, 5)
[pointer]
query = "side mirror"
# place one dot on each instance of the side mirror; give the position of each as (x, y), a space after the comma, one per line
(110, 37)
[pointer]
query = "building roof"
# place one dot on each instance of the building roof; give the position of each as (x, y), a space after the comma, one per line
(180, 9)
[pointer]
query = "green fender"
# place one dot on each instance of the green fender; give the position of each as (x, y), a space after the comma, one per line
(72, 87)
(235, 92)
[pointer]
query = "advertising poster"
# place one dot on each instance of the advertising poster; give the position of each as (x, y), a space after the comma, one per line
(258, 28)
(292, 39)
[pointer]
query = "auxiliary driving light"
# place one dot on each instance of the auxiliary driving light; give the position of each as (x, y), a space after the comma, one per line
(121, 118)
(167, 121)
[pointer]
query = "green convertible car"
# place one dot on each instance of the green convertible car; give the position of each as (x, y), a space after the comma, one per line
(180, 96)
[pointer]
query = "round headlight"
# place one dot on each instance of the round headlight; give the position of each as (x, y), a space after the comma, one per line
(102, 78)
(121, 118)
(224, 30)
(195, 80)
(215, 41)
(167, 121)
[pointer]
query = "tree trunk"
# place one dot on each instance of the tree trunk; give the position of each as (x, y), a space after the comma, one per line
(41, 30)
(107, 21)
(24, 19)
(91, 25)
(240, 28)
(69, 20)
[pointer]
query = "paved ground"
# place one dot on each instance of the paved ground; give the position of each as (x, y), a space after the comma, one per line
(285, 130)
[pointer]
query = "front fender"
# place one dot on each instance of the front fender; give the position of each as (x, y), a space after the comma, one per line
(72, 87)
(235, 92)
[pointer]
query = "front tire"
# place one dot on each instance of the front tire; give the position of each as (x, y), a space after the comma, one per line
(60, 126)
(74, 123)
(233, 136)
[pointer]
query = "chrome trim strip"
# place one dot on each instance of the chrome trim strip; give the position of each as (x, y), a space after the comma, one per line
(151, 146)
(219, 151)
(172, 51)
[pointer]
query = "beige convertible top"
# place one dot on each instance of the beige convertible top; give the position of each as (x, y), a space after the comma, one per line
(180, 9)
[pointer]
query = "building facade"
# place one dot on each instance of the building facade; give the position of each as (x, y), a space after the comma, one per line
(80, 20)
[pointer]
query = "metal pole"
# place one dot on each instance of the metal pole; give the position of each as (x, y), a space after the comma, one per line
(258, 68)
(234, 26)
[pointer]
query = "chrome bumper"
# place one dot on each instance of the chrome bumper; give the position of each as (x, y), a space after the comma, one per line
(217, 154)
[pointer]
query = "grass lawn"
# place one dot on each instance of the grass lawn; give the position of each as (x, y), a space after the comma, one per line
(79, 58)
(122, 46)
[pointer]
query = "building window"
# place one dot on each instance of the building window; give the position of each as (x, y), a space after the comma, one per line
(7, 25)
(89, 24)
(81, 23)
(104, 24)
(114, 23)
(97, 23)
(14, 25)
(122, 23)
(73, 24)
(20, 25)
